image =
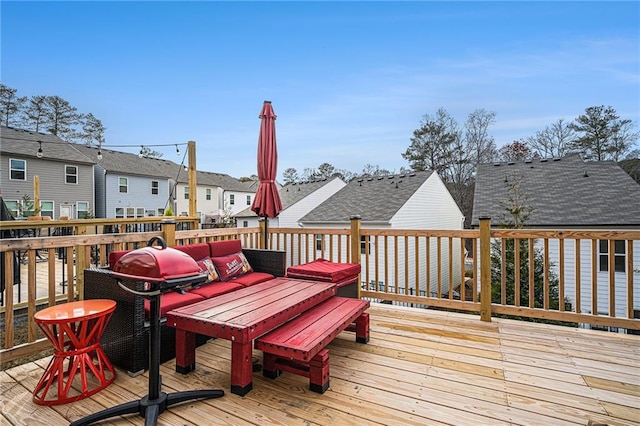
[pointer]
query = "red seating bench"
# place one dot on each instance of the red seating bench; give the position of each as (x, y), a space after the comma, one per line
(298, 346)
(344, 275)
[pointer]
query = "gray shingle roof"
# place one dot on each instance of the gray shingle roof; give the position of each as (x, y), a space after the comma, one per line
(131, 164)
(375, 199)
(562, 192)
(291, 193)
(25, 143)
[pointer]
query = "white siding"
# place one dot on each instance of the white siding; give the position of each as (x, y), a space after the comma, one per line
(288, 218)
(138, 195)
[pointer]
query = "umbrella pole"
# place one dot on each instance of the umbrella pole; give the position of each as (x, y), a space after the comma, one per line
(266, 232)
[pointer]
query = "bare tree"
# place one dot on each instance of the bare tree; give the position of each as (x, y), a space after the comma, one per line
(10, 105)
(480, 144)
(325, 170)
(517, 151)
(554, 141)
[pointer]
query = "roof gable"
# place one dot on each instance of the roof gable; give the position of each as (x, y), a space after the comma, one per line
(374, 199)
(562, 192)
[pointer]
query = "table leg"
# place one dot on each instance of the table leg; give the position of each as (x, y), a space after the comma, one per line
(241, 368)
(185, 351)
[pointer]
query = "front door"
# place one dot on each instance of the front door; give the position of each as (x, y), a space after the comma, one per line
(65, 211)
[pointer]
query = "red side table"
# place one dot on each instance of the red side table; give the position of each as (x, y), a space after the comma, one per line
(74, 329)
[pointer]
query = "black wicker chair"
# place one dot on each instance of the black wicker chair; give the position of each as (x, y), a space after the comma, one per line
(126, 337)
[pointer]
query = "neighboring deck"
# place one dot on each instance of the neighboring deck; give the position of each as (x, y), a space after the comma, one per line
(420, 367)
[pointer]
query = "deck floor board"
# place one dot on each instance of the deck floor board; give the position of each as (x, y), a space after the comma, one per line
(420, 367)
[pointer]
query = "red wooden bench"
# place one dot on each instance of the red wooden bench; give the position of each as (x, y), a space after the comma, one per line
(298, 346)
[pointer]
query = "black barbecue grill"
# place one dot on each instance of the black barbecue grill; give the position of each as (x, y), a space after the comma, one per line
(161, 269)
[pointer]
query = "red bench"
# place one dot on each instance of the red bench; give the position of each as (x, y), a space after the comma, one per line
(344, 275)
(299, 345)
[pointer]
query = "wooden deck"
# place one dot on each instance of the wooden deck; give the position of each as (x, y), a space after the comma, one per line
(420, 367)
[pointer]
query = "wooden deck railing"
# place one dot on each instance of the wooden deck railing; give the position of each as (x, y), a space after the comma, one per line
(546, 275)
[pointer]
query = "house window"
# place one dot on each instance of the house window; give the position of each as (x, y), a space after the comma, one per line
(319, 240)
(619, 255)
(13, 206)
(232, 199)
(245, 223)
(248, 200)
(131, 211)
(154, 187)
(140, 212)
(17, 169)
(160, 212)
(46, 208)
(363, 245)
(124, 185)
(186, 192)
(119, 212)
(71, 175)
(82, 207)
(208, 194)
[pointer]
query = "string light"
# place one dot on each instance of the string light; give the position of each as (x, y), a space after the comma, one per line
(177, 150)
(141, 154)
(39, 154)
(100, 151)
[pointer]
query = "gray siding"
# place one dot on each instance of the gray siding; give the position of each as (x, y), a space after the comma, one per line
(138, 195)
(52, 182)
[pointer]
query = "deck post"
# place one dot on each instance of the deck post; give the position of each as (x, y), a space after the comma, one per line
(355, 245)
(83, 260)
(193, 186)
(485, 269)
(169, 231)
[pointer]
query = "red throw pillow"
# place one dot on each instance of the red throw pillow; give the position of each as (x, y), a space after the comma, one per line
(231, 266)
(207, 267)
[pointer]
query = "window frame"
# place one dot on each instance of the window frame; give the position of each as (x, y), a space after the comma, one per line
(155, 187)
(207, 194)
(248, 200)
(122, 186)
(12, 169)
(186, 192)
(68, 175)
(232, 199)
(84, 211)
(53, 208)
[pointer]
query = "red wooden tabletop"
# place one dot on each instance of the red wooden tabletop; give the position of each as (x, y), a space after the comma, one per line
(243, 314)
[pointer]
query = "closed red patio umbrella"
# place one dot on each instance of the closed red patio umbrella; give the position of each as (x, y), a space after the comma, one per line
(267, 201)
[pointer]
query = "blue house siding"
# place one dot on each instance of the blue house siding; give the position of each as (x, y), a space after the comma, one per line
(138, 195)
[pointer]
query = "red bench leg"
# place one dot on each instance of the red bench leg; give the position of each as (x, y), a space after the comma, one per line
(319, 372)
(362, 328)
(185, 351)
(269, 368)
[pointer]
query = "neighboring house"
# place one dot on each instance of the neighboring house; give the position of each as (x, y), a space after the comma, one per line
(129, 186)
(65, 174)
(417, 200)
(297, 199)
(218, 195)
(568, 193)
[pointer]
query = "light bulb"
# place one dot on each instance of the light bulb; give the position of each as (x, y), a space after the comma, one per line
(99, 155)
(40, 153)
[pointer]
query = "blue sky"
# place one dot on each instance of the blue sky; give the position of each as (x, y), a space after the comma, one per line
(349, 81)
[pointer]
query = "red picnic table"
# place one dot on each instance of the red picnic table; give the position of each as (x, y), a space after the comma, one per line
(242, 316)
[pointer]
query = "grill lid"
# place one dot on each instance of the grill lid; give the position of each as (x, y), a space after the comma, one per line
(159, 264)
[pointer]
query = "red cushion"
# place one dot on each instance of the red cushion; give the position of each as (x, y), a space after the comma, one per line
(224, 247)
(324, 270)
(231, 266)
(114, 256)
(206, 266)
(251, 278)
(197, 251)
(173, 300)
(216, 289)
